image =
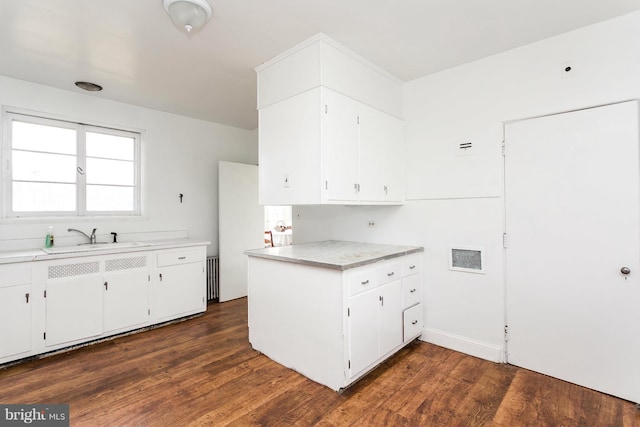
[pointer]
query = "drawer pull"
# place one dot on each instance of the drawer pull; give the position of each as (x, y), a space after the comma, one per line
(366, 282)
(182, 257)
(412, 267)
(415, 322)
(390, 274)
(412, 290)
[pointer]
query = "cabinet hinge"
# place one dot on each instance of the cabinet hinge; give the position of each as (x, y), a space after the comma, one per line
(148, 277)
(326, 185)
(149, 312)
(326, 109)
(506, 333)
(348, 312)
(27, 297)
(504, 240)
(45, 293)
(504, 148)
(44, 336)
(349, 364)
(358, 120)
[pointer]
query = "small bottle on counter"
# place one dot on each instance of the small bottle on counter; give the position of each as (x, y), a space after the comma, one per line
(49, 239)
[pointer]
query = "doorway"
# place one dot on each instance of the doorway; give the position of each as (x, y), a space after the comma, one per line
(278, 228)
(572, 214)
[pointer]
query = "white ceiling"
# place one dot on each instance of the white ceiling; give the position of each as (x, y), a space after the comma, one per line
(132, 48)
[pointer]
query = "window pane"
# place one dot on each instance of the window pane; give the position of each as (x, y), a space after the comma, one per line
(30, 166)
(29, 136)
(110, 146)
(115, 172)
(43, 197)
(104, 198)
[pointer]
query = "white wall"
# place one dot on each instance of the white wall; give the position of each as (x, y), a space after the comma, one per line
(182, 156)
(458, 199)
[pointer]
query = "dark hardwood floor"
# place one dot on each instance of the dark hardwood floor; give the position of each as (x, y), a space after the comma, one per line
(204, 372)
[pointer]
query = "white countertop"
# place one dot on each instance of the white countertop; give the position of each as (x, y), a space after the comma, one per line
(334, 254)
(26, 255)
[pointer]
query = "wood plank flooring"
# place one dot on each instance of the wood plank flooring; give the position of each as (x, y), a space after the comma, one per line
(203, 372)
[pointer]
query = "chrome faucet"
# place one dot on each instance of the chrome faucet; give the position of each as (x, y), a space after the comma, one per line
(92, 238)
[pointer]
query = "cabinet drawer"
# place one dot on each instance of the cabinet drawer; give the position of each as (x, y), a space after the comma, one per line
(180, 257)
(411, 290)
(14, 275)
(389, 272)
(412, 322)
(362, 280)
(412, 264)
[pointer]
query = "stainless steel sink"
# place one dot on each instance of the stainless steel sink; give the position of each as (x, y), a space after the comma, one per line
(92, 247)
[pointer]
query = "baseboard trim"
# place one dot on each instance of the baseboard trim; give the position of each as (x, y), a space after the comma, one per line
(464, 345)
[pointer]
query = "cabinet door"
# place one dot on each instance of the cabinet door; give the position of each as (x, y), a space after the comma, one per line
(390, 319)
(363, 330)
(181, 289)
(126, 300)
(290, 150)
(340, 147)
(15, 320)
(74, 309)
(381, 154)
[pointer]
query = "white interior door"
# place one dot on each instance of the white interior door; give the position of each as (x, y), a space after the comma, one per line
(572, 223)
(241, 225)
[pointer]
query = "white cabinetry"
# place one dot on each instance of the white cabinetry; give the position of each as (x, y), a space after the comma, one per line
(412, 314)
(374, 316)
(88, 297)
(323, 147)
(126, 292)
(301, 321)
(16, 300)
(73, 300)
(332, 133)
(51, 304)
(182, 283)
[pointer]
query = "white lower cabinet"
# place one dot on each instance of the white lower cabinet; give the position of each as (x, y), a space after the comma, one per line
(375, 326)
(74, 309)
(48, 305)
(126, 293)
(16, 303)
(412, 322)
(412, 314)
(181, 283)
(333, 326)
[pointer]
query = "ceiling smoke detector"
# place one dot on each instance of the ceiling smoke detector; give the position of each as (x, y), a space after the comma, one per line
(188, 14)
(91, 87)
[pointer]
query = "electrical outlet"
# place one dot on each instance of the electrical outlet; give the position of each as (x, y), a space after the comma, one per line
(371, 223)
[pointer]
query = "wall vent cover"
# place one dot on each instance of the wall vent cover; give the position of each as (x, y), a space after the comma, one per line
(465, 148)
(125, 263)
(467, 259)
(70, 270)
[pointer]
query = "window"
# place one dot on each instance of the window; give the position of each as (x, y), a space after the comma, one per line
(59, 168)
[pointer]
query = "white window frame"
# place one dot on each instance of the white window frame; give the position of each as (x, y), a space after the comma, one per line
(11, 115)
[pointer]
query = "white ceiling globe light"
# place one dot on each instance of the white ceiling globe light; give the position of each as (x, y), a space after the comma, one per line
(188, 14)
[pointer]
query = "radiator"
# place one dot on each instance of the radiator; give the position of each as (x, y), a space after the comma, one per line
(213, 278)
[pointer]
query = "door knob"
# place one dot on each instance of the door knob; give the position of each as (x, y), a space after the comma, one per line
(625, 270)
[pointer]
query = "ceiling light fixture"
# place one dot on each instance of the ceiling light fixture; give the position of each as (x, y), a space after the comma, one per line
(91, 87)
(188, 14)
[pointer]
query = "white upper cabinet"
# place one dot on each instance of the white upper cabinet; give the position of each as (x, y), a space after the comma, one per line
(341, 175)
(330, 128)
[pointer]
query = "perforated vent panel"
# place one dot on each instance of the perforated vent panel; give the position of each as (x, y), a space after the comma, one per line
(68, 270)
(126, 263)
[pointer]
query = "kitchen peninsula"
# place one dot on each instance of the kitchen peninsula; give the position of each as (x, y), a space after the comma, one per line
(334, 310)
